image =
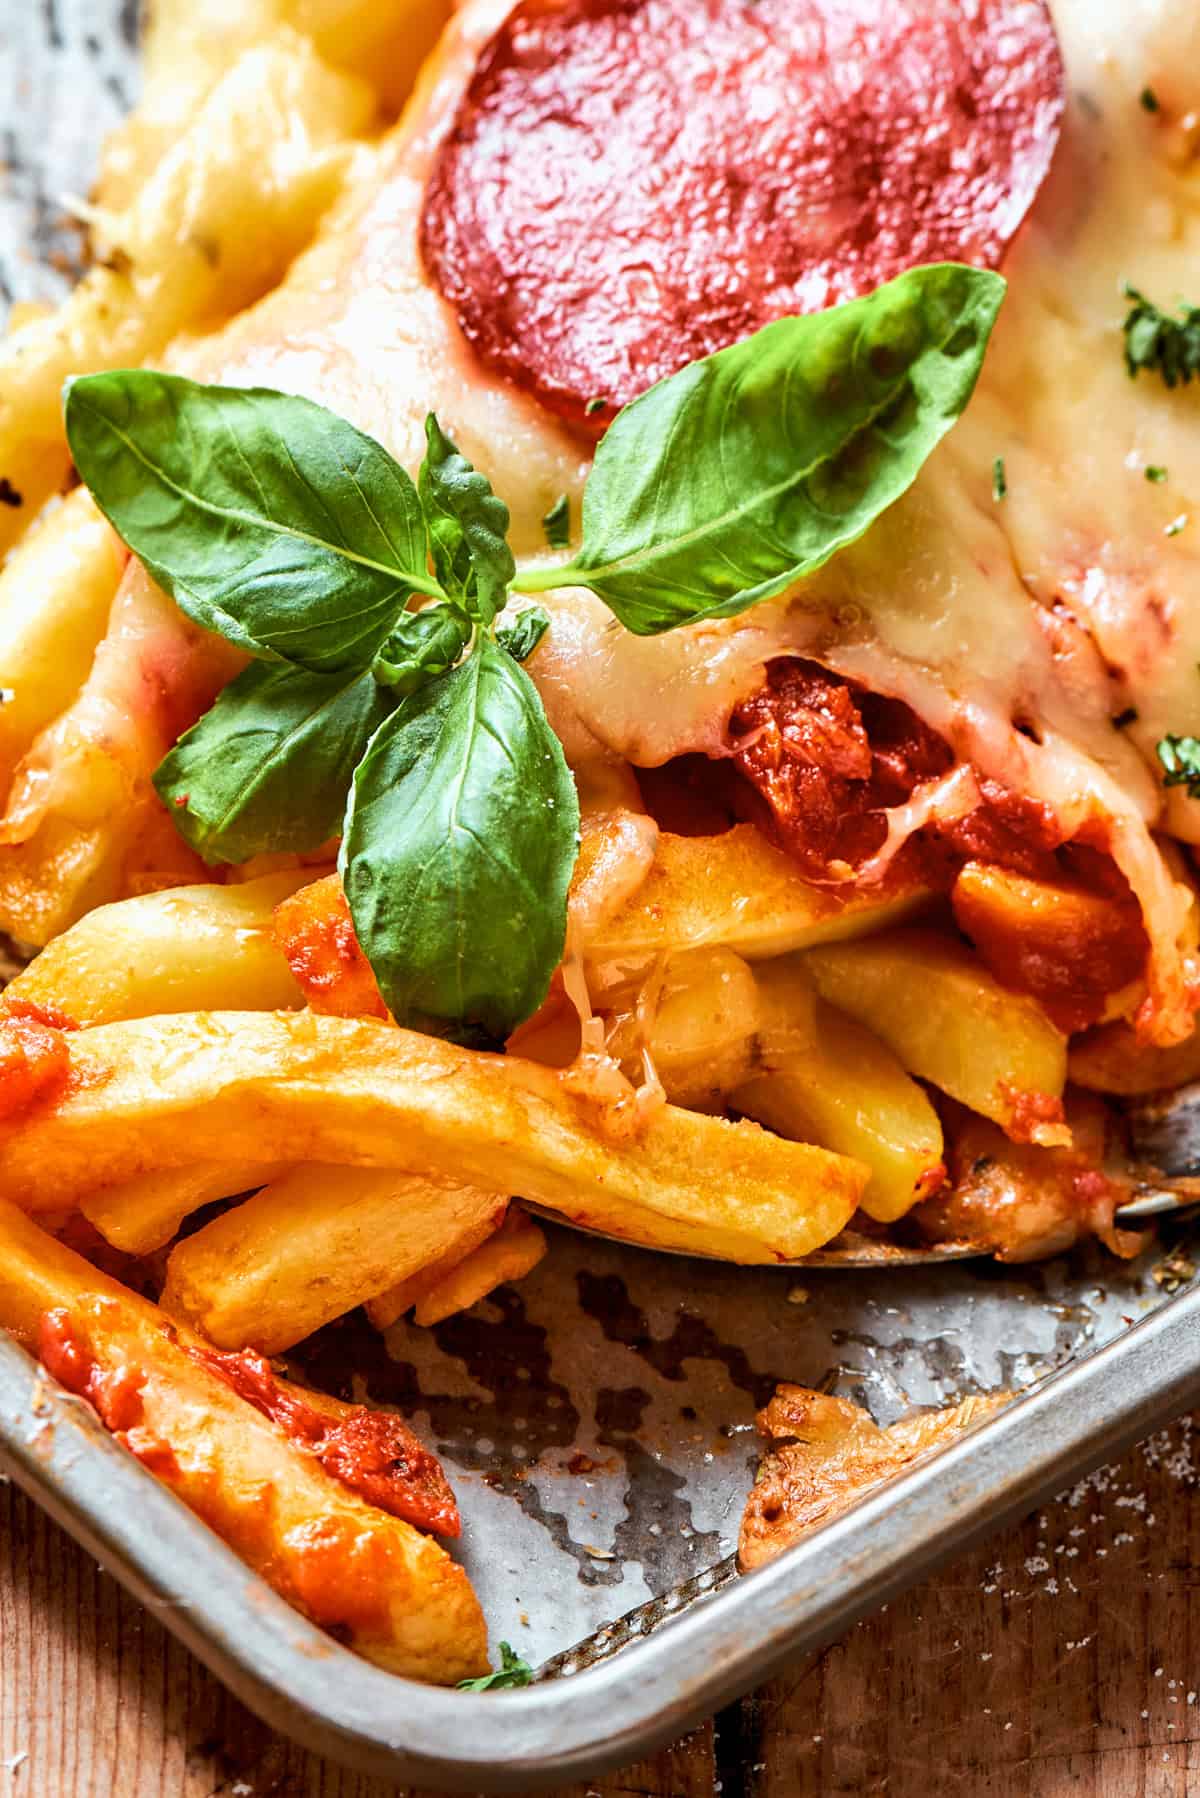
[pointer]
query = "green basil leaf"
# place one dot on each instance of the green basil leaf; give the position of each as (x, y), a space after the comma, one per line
(725, 483)
(460, 839)
(423, 644)
(468, 527)
(556, 523)
(265, 517)
(268, 769)
(520, 638)
(512, 1671)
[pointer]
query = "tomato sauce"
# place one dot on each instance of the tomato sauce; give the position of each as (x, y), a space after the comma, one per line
(35, 1061)
(631, 184)
(826, 758)
(373, 1453)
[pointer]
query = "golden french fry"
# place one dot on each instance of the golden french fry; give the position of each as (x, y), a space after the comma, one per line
(386, 1307)
(734, 891)
(197, 948)
(508, 1254)
(55, 594)
(1112, 1060)
(144, 1213)
(826, 1079)
(278, 1085)
(232, 200)
(312, 1245)
(393, 1592)
(703, 1013)
(950, 1022)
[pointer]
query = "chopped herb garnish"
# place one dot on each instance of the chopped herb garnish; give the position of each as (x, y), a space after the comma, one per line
(1154, 472)
(557, 523)
(1155, 340)
(1148, 100)
(1128, 716)
(1176, 525)
(1180, 758)
(595, 404)
(512, 1671)
(999, 479)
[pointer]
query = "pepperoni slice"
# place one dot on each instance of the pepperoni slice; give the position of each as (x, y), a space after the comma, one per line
(630, 184)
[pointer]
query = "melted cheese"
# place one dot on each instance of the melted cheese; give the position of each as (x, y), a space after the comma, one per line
(1019, 628)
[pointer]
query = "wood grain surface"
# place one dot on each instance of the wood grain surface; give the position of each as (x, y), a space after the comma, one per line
(1061, 1658)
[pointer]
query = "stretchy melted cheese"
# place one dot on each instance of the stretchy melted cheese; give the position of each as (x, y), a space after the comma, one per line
(1018, 629)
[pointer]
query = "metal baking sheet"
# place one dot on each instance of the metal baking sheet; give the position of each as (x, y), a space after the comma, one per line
(597, 1421)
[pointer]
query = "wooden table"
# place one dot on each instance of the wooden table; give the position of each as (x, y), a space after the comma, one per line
(1063, 1657)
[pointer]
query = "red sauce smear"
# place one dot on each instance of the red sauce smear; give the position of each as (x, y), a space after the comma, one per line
(113, 1392)
(35, 1062)
(825, 757)
(630, 184)
(374, 1453)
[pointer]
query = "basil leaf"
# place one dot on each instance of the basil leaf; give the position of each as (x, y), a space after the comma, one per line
(423, 644)
(269, 767)
(556, 523)
(725, 483)
(520, 638)
(468, 527)
(460, 839)
(265, 517)
(513, 1671)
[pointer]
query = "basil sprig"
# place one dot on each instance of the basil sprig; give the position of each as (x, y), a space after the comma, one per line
(415, 732)
(724, 484)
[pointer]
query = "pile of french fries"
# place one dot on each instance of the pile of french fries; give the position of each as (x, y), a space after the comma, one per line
(732, 1062)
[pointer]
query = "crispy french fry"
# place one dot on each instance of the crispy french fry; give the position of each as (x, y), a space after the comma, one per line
(950, 1022)
(1112, 1060)
(232, 200)
(456, 1283)
(272, 1085)
(198, 948)
(826, 1079)
(738, 892)
(55, 594)
(703, 1013)
(314, 1244)
(386, 1307)
(400, 1599)
(508, 1254)
(144, 1213)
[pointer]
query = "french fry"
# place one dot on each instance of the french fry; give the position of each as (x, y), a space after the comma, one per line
(1070, 947)
(436, 1293)
(278, 1085)
(230, 203)
(314, 1244)
(315, 933)
(737, 892)
(77, 816)
(187, 49)
(55, 594)
(198, 948)
(826, 1079)
(386, 1307)
(144, 1213)
(397, 1596)
(1112, 1060)
(700, 1032)
(950, 1022)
